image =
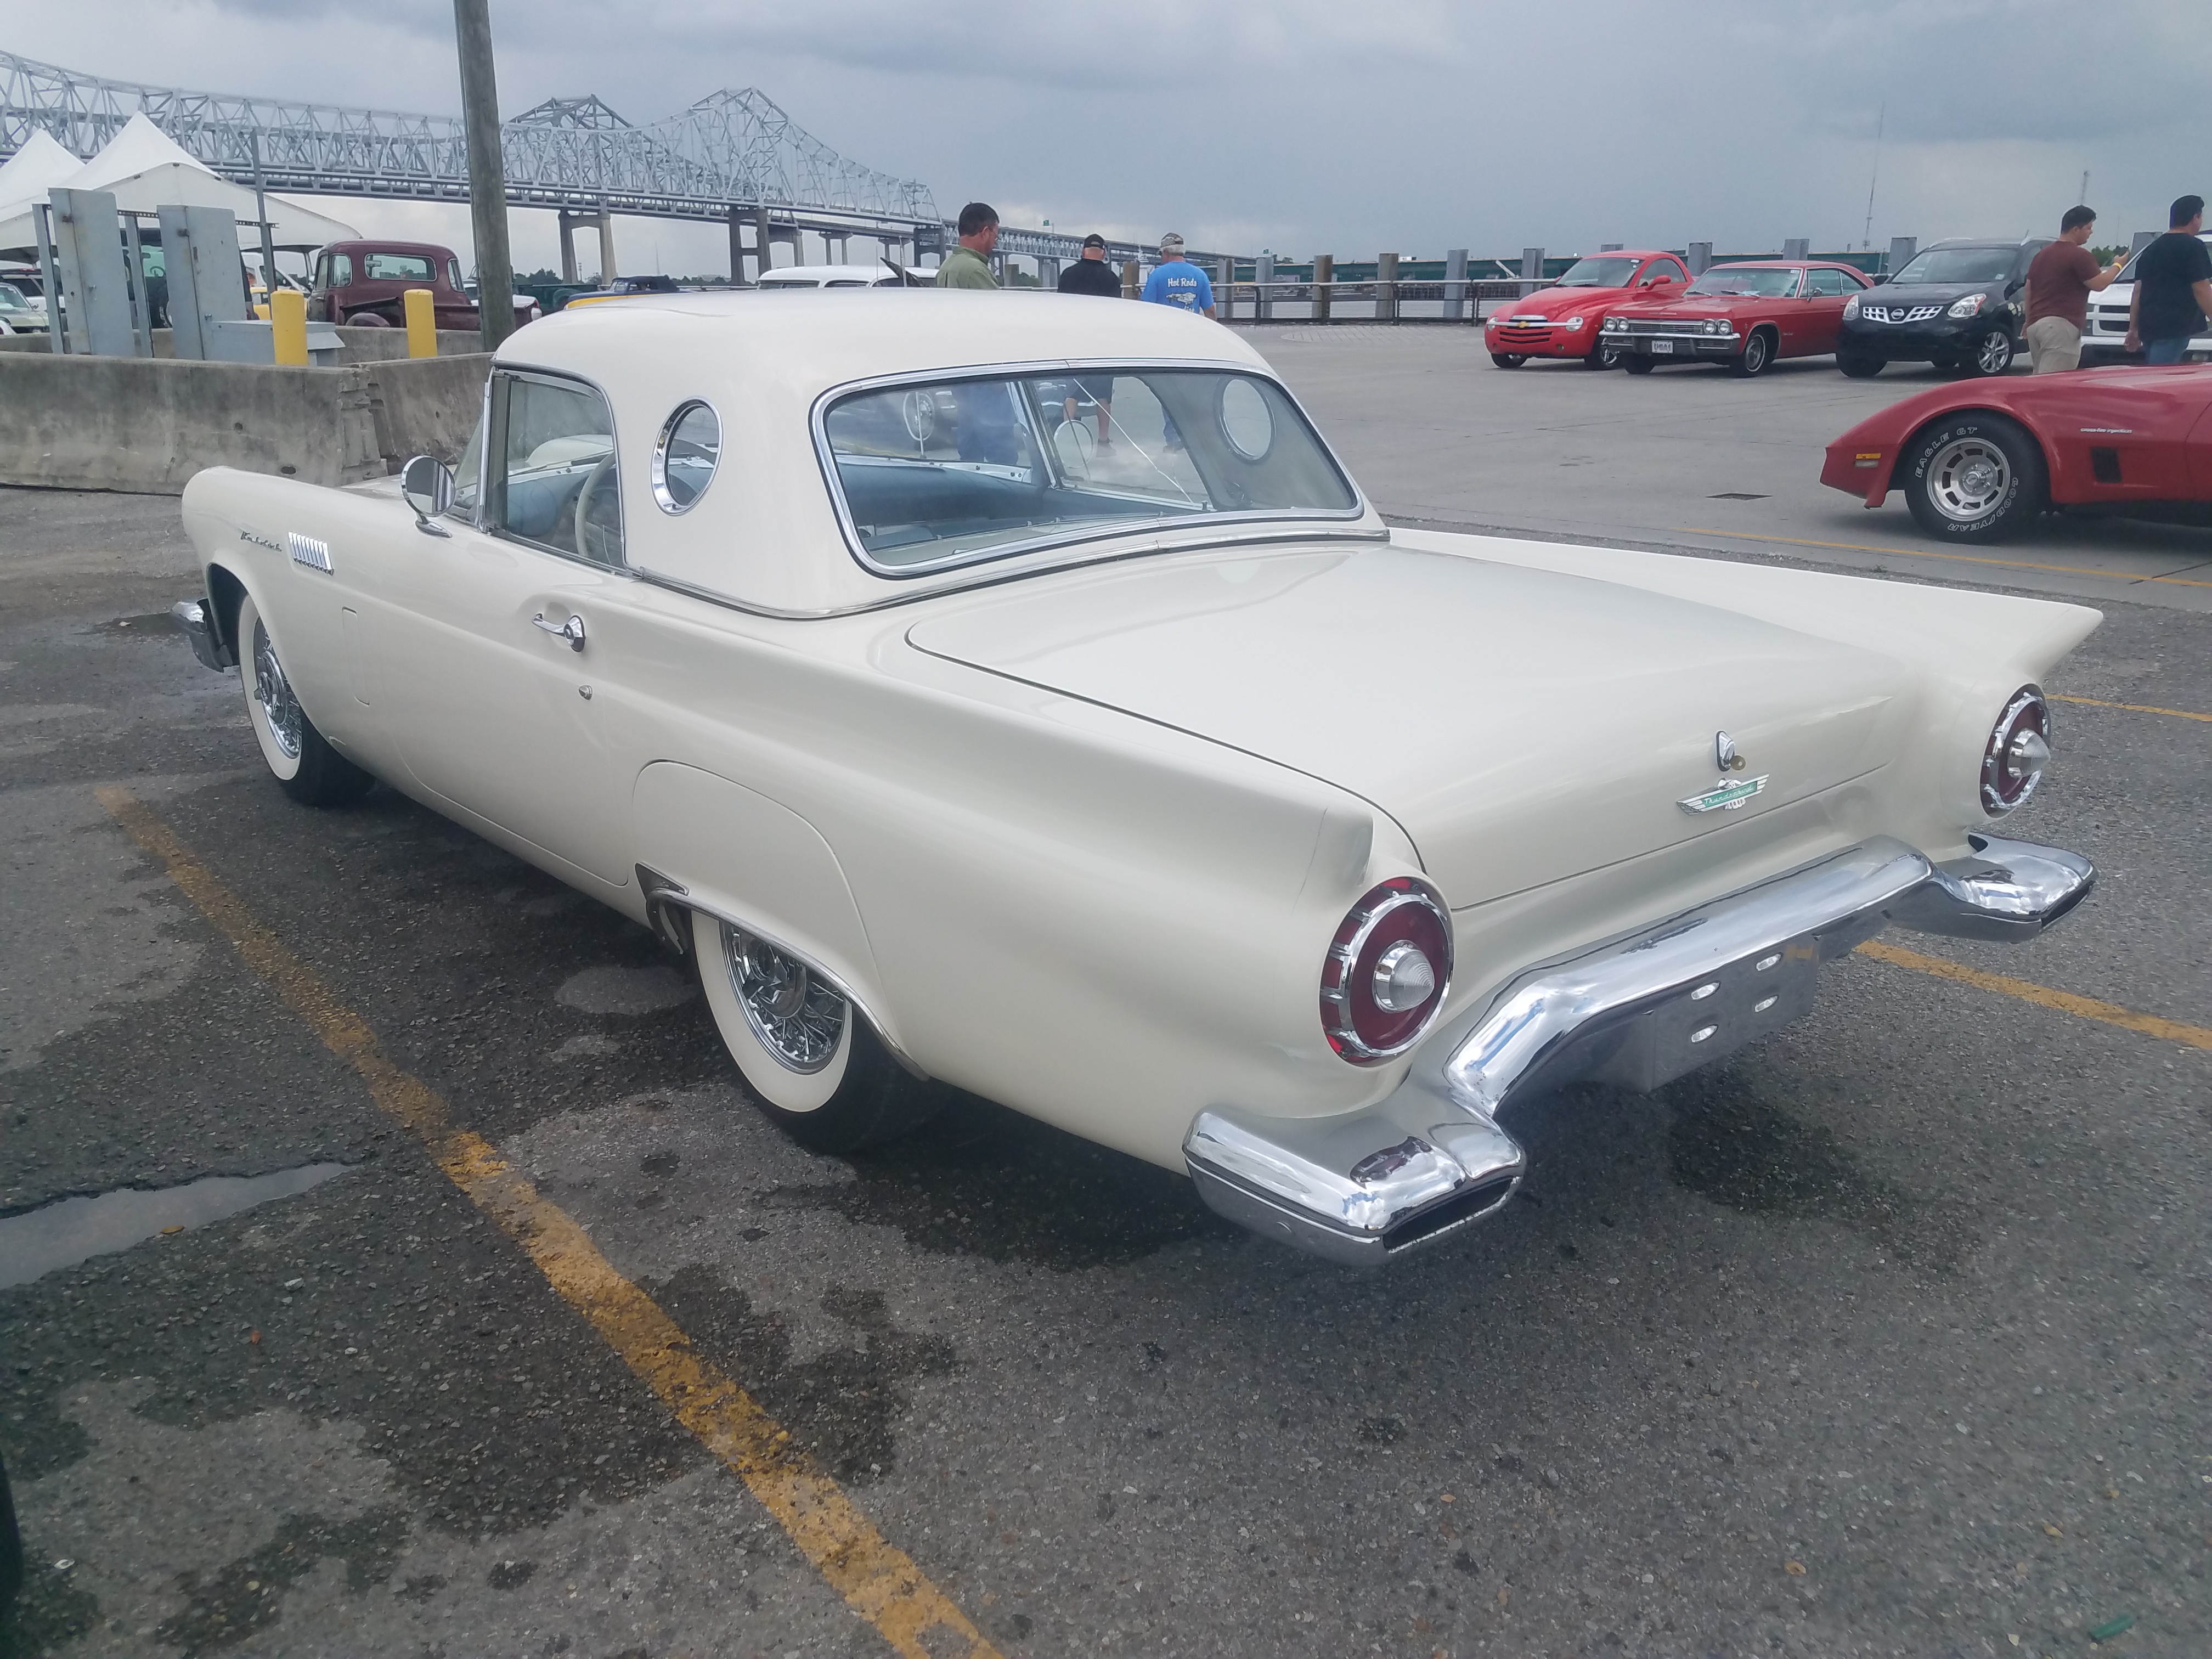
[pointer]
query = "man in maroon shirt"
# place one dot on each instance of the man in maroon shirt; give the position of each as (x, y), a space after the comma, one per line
(2060, 281)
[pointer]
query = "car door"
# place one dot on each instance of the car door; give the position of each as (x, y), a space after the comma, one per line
(486, 650)
(1825, 290)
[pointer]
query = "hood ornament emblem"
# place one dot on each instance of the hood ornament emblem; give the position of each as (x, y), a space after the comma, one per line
(1727, 794)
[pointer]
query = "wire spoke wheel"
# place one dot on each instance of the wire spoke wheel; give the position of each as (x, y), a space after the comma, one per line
(796, 1016)
(274, 693)
(1967, 478)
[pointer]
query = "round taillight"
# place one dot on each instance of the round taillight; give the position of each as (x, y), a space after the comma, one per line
(2019, 750)
(1386, 971)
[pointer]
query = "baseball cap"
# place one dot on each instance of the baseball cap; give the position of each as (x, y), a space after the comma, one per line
(1171, 243)
(1093, 240)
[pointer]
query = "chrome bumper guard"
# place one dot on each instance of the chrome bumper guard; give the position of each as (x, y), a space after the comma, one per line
(192, 617)
(1365, 1187)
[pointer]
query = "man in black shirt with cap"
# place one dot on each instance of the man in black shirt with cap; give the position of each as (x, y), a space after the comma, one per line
(1092, 275)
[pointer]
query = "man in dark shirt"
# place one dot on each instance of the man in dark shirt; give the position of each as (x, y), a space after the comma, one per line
(2060, 281)
(2173, 288)
(1092, 275)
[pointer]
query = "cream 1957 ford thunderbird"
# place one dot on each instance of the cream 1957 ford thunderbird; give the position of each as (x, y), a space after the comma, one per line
(1148, 783)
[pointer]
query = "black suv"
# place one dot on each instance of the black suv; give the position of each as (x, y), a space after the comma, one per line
(1958, 304)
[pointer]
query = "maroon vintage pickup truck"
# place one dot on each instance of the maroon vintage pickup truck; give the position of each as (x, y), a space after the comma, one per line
(362, 283)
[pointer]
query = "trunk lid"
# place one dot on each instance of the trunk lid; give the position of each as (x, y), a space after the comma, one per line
(1522, 725)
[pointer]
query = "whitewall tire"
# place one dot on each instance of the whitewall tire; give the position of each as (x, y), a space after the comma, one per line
(298, 755)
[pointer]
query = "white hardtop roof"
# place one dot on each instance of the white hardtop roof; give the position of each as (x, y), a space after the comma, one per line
(765, 534)
(819, 274)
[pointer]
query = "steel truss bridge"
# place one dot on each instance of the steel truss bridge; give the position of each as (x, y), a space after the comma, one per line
(734, 154)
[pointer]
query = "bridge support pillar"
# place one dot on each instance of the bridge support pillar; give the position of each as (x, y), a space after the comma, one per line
(569, 223)
(763, 246)
(736, 216)
(606, 246)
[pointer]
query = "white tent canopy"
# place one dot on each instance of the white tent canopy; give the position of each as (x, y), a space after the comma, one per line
(147, 170)
(32, 170)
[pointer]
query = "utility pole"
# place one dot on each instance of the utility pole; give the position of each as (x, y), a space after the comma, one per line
(1866, 237)
(487, 172)
(267, 233)
(2084, 195)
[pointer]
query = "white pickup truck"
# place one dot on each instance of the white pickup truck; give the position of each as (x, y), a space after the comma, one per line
(2105, 338)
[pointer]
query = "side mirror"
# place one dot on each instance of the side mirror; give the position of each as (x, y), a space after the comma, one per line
(427, 482)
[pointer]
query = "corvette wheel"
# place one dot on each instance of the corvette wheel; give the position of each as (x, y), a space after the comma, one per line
(1509, 359)
(1991, 354)
(1637, 363)
(818, 1071)
(1974, 477)
(299, 758)
(1858, 367)
(1757, 354)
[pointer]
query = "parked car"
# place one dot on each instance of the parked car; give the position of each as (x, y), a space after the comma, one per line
(622, 287)
(1564, 319)
(17, 314)
(2106, 338)
(1746, 315)
(364, 283)
(30, 288)
(1170, 796)
(1960, 304)
(1978, 463)
(791, 277)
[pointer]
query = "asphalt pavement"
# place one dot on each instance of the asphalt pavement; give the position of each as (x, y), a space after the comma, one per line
(1888, 1336)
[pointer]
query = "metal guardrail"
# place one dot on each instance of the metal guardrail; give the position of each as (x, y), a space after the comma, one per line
(1384, 301)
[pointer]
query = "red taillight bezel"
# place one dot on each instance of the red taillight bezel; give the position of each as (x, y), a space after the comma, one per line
(2006, 783)
(1403, 909)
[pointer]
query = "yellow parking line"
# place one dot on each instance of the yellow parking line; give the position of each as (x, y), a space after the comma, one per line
(876, 1579)
(1938, 553)
(2132, 707)
(2109, 1013)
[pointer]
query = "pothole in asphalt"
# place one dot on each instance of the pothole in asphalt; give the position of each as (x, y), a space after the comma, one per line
(61, 1235)
(610, 990)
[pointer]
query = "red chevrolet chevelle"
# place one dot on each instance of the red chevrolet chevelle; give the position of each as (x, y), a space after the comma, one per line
(1745, 315)
(1564, 319)
(1977, 462)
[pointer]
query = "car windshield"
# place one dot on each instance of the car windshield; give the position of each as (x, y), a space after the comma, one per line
(950, 471)
(1766, 281)
(396, 268)
(11, 298)
(1598, 273)
(2128, 272)
(1944, 265)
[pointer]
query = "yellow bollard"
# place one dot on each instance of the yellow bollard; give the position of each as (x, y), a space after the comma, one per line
(421, 322)
(287, 326)
(261, 309)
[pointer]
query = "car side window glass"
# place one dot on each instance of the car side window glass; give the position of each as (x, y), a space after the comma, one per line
(341, 270)
(1666, 270)
(1831, 283)
(467, 475)
(555, 482)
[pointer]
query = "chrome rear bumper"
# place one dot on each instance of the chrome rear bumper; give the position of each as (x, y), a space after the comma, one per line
(1366, 1187)
(192, 617)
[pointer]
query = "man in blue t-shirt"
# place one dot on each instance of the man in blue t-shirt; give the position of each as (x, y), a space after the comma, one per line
(1176, 281)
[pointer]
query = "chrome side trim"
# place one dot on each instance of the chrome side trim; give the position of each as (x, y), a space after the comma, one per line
(664, 896)
(198, 621)
(2011, 890)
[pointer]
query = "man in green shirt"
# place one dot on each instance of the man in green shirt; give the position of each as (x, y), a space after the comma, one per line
(968, 266)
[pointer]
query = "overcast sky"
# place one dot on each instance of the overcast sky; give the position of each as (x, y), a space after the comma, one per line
(1309, 124)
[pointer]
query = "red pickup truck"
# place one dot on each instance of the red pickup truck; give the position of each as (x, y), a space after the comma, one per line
(362, 283)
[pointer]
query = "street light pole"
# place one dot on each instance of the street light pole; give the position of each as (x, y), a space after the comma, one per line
(487, 172)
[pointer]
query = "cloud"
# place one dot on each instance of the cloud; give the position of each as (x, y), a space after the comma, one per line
(1306, 124)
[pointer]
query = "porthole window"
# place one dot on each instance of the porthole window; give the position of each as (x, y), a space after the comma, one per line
(1246, 420)
(684, 460)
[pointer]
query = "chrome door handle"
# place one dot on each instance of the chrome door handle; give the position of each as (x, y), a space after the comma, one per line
(571, 630)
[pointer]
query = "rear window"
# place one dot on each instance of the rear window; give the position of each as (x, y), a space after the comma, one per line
(948, 472)
(396, 268)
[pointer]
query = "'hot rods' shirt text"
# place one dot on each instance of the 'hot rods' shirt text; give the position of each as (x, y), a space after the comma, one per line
(1179, 283)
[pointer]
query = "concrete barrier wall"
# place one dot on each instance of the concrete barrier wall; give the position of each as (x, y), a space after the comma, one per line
(362, 345)
(147, 426)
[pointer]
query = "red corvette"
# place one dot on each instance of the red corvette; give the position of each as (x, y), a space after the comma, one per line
(1562, 320)
(1977, 462)
(1744, 315)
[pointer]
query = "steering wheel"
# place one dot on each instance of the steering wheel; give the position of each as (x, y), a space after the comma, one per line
(586, 529)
